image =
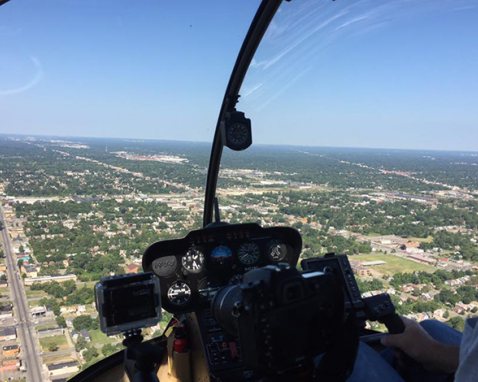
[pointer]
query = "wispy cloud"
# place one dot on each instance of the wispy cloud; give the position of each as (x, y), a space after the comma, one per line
(38, 76)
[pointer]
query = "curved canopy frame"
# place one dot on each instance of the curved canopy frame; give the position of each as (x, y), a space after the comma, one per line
(265, 13)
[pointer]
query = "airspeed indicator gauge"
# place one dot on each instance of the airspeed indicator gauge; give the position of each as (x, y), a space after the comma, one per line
(179, 293)
(193, 260)
(249, 253)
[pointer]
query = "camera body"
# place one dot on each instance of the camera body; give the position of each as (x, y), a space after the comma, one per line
(128, 302)
(282, 317)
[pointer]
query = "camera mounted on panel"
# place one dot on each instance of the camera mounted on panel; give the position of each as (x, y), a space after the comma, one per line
(281, 319)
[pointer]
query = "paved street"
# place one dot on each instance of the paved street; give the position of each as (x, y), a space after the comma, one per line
(29, 344)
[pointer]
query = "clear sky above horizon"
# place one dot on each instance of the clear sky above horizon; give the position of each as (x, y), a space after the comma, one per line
(396, 73)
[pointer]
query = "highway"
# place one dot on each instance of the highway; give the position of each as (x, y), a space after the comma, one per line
(29, 349)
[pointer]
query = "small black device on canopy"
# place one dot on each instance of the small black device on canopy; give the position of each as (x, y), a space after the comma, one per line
(236, 131)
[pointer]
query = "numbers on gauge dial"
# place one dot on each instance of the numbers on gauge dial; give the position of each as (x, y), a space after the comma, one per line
(193, 260)
(277, 250)
(249, 253)
(179, 293)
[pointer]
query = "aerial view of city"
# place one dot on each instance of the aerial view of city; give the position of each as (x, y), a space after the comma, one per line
(74, 210)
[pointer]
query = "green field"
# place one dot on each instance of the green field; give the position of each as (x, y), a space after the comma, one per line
(99, 339)
(393, 264)
(427, 239)
(35, 293)
(59, 341)
(46, 326)
(53, 358)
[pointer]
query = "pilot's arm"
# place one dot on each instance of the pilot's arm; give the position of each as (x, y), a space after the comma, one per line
(419, 345)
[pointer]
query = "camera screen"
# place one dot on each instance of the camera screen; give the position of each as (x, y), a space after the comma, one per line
(129, 304)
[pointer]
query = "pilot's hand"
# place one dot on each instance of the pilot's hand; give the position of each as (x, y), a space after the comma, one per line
(420, 346)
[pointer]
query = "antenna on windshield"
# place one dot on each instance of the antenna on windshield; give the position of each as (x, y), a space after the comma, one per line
(217, 214)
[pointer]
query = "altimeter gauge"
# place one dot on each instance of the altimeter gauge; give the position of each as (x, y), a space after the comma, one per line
(179, 293)
(249, 253)
(193, 260)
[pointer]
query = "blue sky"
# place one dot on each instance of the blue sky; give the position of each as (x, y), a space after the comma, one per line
(398, 74)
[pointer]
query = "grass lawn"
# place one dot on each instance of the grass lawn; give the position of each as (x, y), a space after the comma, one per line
(35, 293)
(371, 235)
(47, 325)
(393, 264)
(428, 239)
(59, 341)
(51, 358)
(88, 284)
(99, 338)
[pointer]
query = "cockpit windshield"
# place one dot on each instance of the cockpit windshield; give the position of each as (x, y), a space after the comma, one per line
(361, 74)
(351, 104)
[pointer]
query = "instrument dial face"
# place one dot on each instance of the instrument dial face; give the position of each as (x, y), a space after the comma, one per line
(221, 254)
(238, 134)
(277, 250)
(249, 253)
(179, 293)
(193, 260)
(164, 266)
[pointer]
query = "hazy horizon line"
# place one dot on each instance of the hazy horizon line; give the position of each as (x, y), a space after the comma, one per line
(254, 144)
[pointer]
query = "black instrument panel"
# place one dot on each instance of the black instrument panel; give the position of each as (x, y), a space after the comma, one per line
(192, 269)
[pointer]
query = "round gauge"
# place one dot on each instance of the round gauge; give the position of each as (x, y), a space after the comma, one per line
(221, 253)
(249, 253)
(277, 250)
(179, 293)
(238, 134)
(193, 260)
(164, 266)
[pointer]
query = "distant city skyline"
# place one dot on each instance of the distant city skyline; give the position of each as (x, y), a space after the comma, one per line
(396, 75)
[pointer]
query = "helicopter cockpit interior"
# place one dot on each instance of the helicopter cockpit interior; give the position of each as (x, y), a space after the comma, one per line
(242, 309)
(244, 299)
